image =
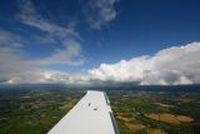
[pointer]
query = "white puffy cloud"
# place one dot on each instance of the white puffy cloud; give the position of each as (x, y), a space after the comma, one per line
(100, 12)
(172, 66)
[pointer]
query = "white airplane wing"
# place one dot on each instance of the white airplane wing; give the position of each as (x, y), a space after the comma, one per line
(91, 115)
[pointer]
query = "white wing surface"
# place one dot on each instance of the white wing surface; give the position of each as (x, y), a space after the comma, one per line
(91, 115)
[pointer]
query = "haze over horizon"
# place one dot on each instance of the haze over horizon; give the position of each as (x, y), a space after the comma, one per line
(105, 41)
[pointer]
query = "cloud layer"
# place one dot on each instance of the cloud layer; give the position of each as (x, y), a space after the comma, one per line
(172, 66)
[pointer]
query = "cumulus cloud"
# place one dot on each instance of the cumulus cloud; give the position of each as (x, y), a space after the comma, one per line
(67, 37)
(171, 66)
(100, 12)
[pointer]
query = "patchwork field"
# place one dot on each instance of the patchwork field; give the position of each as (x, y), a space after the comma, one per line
(34, 112)
(136, 112)
(169, 118)
(139, 112)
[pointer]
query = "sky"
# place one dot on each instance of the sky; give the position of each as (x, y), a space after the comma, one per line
(145, 42)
